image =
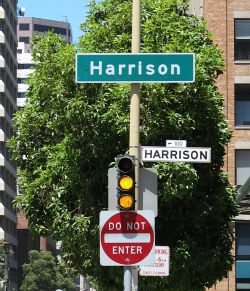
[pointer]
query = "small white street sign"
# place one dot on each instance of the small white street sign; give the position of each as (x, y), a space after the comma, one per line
(161, 264)
(176, 143)
(178, 154)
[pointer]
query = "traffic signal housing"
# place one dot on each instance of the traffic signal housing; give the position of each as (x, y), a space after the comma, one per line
(126, 183)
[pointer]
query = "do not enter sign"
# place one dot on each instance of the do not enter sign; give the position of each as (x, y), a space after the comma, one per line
(127, 238)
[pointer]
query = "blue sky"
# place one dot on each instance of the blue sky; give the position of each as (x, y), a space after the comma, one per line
(72, 10)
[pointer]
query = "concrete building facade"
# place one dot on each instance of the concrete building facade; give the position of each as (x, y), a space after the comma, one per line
(8, 92)
(28, 27)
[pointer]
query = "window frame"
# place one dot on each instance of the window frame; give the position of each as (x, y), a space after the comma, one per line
(25, 39)
(236, 165)
(24, 26)
(240, 110)
(241, 39)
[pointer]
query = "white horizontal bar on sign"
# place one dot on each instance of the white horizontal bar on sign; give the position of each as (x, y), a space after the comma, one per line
(127, 238)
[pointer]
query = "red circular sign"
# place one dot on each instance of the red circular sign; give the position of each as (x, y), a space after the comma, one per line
(127, 238)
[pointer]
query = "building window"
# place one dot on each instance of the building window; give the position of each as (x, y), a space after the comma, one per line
(242, 232)
(45, 28)
(24, 26)
(22, 80)
(24, 39)
(26, 66)
(242, 162)
(242, 104)
(242, 39)
(21, 95)
(243, 241)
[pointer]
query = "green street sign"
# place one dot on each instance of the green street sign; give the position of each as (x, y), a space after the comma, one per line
(135, 68)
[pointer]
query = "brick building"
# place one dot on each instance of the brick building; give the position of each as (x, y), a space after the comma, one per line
(229, 20)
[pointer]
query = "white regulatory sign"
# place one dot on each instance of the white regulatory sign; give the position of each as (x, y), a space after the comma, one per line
(127, 238)
(161, 264)
(167, 154)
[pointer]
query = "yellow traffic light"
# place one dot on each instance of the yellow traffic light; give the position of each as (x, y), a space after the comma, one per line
(126, 183)
(126, 201)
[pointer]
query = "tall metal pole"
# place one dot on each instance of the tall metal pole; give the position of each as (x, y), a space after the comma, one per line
(127, 279)
(134, 131)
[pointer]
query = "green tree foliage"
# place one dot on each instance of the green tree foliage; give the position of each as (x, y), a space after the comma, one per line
(68, 134)
(43, 273)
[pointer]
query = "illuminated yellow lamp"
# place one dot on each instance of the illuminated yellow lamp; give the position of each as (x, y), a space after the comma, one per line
(126, 183)
(126, 201)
